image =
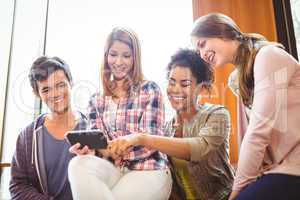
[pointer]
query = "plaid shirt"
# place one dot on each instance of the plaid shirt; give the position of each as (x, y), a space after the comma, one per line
(143, 111)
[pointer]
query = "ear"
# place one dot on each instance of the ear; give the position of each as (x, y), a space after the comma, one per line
(36, 94)
(200, 89)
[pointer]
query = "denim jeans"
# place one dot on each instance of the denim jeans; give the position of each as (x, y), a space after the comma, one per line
(273, 187)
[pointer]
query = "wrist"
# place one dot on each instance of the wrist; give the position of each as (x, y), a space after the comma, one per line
(141, 139)
(98, 153)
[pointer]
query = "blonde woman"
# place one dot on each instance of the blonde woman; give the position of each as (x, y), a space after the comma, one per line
(129, 105)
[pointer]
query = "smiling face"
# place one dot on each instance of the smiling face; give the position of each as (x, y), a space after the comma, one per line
(216, 51)
(120, 60)
(55, 92)
(182, 89)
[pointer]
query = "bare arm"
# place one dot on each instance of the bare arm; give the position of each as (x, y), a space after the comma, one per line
(176, 147)
(213, 134)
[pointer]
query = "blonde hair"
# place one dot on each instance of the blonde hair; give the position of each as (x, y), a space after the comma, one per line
(217, 25)
(135, 76)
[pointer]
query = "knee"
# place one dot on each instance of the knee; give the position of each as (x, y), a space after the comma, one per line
(77, 165)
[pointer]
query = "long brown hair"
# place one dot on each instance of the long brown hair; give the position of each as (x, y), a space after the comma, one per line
(217, 25)
(135, 76)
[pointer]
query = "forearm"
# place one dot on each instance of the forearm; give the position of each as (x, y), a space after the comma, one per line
(27, 192)
(176, 147)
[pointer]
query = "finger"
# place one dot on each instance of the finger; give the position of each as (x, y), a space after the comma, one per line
(85, 149)
(74, 149)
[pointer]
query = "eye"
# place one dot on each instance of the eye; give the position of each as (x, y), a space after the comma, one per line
(127, 55)
(112, 54)
(186, 83)
(62, 85)
(45, 90)
(172, 82)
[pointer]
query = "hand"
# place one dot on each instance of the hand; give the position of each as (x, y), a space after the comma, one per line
(121, 146)
(104, 153)
(84, 151)
(233, 195)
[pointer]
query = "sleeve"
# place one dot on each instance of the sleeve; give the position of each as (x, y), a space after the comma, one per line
(151, 122)
(20, 185)
(273, 69)
(212, 135)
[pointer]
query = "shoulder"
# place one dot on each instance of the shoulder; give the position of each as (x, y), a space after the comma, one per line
(272, 61)
(271, 50)
(215, 112)
(214, 108)
(271, 55)
(95, 96)
(149, 86)
(96, 99)
(82, 121)
(27, 132)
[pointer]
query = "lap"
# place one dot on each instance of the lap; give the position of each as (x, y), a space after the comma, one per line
(130, 184)
(272, 186)
(102, 169)
(152, 184)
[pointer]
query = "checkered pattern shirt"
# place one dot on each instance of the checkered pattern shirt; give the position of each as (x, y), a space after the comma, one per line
(143, 111)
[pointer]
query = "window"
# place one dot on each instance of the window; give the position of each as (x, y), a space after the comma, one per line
(162, 27)
(295, 6)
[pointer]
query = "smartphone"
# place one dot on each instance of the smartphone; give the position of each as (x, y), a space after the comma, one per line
(94, 139)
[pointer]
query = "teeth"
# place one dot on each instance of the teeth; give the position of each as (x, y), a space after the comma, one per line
(58, 100)
(177, 98)
(210, 56)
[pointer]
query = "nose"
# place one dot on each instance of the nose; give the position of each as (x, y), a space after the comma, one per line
(119, 60)
(55, 93)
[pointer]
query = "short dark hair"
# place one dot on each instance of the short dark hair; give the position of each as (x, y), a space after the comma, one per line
(190, 59)
(43, 67)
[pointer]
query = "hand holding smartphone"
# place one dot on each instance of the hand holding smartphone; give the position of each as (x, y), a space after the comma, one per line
(94, 139)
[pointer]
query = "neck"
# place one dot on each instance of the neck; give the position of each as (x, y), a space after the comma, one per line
(187, 114)
(62, 117)
(119, 91)
(120, 83)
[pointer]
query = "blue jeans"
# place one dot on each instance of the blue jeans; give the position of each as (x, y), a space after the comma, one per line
(272, 187)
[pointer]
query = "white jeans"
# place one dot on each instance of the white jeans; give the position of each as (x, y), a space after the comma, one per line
(94, 178)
